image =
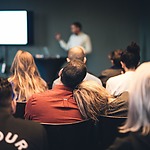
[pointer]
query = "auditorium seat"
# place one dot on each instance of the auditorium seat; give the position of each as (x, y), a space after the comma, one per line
(108, 130)
(20, 110)
(75, 136)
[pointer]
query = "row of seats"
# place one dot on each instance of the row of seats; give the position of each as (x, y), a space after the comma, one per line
(81, 135)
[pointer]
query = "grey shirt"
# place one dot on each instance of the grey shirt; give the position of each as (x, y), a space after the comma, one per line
(87, 78)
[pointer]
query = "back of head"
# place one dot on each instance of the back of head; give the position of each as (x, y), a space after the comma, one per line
(115, 56)
(22, 63)
(76, 53)
(25, 76)
(133, 48)
(6, 93)
(73, 73)
(91, 98)
(139, 103)
(131, 56)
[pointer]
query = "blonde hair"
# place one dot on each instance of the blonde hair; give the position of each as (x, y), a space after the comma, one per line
(91, 99)
(25, 77)
(139, 102)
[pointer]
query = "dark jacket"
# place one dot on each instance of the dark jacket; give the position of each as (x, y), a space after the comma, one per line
(135, 141)
(108, 73)
(119, 106)
(20, 134)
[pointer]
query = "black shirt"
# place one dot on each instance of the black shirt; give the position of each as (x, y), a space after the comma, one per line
(17, 134)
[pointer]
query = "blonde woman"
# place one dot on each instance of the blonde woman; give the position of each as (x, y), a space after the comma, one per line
(94, 100)
(138, 122)
(25, 77)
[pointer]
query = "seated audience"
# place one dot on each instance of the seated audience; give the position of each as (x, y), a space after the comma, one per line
(17, 134)
(130, 59)
(58, 105)
(138, 121)
(115, 69)
(78, 53)
(25, 77)
(94, 100)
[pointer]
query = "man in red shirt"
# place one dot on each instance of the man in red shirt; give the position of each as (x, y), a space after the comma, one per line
(58, 105)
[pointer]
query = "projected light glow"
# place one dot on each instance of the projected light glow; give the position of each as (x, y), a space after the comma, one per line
(13, 28)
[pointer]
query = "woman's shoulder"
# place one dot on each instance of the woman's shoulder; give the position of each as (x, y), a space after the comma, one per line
(119, 106)
(121, 144)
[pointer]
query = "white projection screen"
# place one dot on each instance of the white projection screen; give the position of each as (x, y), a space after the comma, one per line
(13, 27)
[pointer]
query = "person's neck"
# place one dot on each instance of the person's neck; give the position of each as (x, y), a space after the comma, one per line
(78, 33)
(127, 69)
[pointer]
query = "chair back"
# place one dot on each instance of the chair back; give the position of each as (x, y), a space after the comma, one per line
(108, 130)
(20, 110)
(75, 136)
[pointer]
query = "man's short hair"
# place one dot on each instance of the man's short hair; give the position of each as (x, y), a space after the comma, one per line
(76, 53)
(115, 56)
(6, 93)
(73, 73)
(131, 56)
(78, 25)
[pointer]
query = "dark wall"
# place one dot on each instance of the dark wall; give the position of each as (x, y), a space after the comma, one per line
(145, 29)
(111, 24)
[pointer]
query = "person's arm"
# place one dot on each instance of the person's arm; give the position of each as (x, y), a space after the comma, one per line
(28, 109)
(88, 45)
(63, 45)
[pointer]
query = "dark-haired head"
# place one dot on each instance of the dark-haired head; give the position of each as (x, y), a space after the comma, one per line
(115, 57)
(131, 60)
(131, 56)
(76, 27)
(73, 73)
(133, 48)
(6, 93)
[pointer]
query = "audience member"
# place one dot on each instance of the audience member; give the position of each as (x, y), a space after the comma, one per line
(16, 133)
(78, 53)
(138, 122)
(115, 69)
(25, 77)
(94, 100)
(58, 105)
(130, 59)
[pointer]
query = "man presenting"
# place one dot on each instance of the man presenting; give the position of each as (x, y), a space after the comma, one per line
(78, 38)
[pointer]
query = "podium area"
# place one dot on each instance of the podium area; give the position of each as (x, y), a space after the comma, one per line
(49, 68)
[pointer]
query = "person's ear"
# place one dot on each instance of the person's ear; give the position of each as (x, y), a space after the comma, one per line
(123, 65)
(13, 106)
(112, 62)
(60, 72)
(68, 60)
(85, 59)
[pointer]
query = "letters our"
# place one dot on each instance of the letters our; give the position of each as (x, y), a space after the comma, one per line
(12, 139)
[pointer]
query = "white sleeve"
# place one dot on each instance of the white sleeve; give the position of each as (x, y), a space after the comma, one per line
(64, 45)
(88, 45)
(108, 86)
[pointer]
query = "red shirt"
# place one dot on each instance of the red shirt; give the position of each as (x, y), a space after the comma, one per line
(53, 106)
